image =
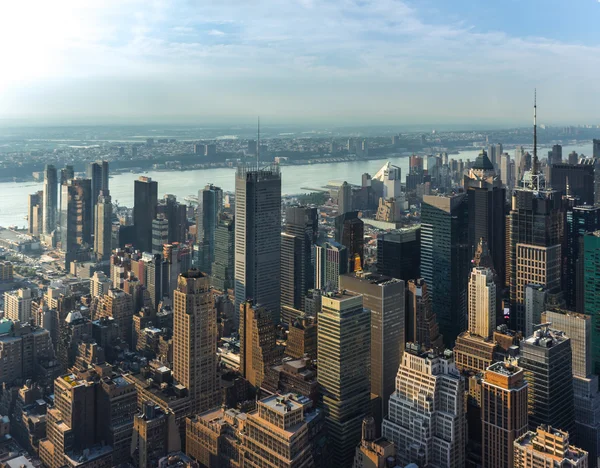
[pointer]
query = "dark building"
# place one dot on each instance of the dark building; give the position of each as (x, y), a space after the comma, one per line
(176, 215)
(445, 260)
(210, 205)
(349, 232)
(223, 266)
(97, 172)
(399, 253)
(579, 178)
(144, 211)
(421, 322)
(50, 208)
(291, 271)
(487, 217)
(555, 155)
(258, 238)
(596, 151)
(579, 220)
(75, 218)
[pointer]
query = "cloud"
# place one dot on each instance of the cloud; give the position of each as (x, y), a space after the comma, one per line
(215, 32)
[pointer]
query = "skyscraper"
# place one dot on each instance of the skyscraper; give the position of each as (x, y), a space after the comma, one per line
(482, 302)
(421, 320)
(555, 155)
(210, 205)
(349, 232)
(486, 198)
(591, 298)
(50, 199)
(17, 305)
(331, 261)
(445, 260)
(97, 172)
(223, 265)
(384, 297)
(399, 253)
(579, 178)
(504, 413)
(258, 238)
(343, 350)
(145, 199)
(35, 213)
(506, 170)
(195, 340)
(547, 361)
(103, 227)
(75, 219)
(160, 233)
(344, 198)
(426, 421)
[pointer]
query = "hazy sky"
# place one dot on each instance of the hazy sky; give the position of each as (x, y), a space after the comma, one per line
(345, 61)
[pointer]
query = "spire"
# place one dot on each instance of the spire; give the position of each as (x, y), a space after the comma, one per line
(568, 188)
(258, 146)
(535, 164)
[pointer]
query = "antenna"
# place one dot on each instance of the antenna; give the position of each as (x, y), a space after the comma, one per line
(258, 145)
(535, 158)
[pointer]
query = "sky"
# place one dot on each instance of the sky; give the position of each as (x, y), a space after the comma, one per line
(305, 61)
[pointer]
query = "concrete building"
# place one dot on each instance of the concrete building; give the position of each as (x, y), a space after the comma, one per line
(482, 302)
(144, 211)
(223, 266)
(35, 213)
(302, 338)
(373, 452)
(422, 327)
(504, 413)
(343, 353)
(50, 207)
(331, 261)
(103, 227)
(399, 253)
(99, 284)
(160, 233)
(17, 305)
(117, 304)
(210, 206)
(547, 447)
(154, 435)
(76, 217)
(195, 340)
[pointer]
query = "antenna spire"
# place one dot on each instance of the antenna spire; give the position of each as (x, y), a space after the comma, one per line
(258, 145)
(535, 157)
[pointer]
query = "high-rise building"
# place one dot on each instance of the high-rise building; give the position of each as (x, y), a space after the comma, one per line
(176, 214)
(487, 218)
(482, 302)
(421, 321)
(99, 284)
(154, 435)
(596, 148)
(103, 227)
(258, 343)
(17, 305)
(35, 213)
(399, 253)
(426, 420)
(258, 238)
(302, 338)
(160, 233)
(97, 172)
(555, 155)
(445, 260)
(535, 303)
(591, 298)
(349, 232)
(331, 261)
(118, 305)
(145, 200)
(344, 198)
(195, 340)
(343, 353)
(506, 170)
(578, 179)
(504, 413)
(373, 452)
(384, 297)
(579, 220)
(391, 177)
(210, 206)
(50, 207)
(75, 218)
(547, 361)
(222, 269)
(547, 446)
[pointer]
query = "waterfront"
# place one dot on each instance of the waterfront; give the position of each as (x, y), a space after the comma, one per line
(13, 196)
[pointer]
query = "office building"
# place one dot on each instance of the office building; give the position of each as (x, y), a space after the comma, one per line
(154, 435)
(291, 271)
(591, 298)
(547, 446)
(302, 338)
(258, 343)
(421, 321)
(343, 353)
(118, 305)
(579, 178)
(195, 340)
(429, 390)
(506, 173)
(391, 177)
(223, 266)
(258, 238)
(75, 219)
(97, 172)
(486, 198)
(535, 303)
(103, 227)
(373, 452)
(482, 302)
(160, 233)
(145, 200)
(579, 220)
(546, 359)
(504, 413)
(399, 253)
(176, 215)
(349, 232)
(17, 305)
(384, 297)
(331, 261)
(35, 213)
(344, 198)
(555, 155)
(210, 206)
(50, 207)
(6, 271)
(445, 260)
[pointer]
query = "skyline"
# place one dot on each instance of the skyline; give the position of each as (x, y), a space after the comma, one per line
(349, 62)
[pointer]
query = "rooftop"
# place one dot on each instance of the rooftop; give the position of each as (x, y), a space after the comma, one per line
(504, 368)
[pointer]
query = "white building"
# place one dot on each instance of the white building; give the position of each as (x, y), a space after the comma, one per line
(17, 305)
(482, 302)
(391, 177)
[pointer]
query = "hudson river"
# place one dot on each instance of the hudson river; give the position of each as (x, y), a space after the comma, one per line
(13, 196)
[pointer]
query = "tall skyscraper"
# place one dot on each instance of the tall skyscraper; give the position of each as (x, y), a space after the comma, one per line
(384, 297)
(591, 298)
(331, 261)
(486, 198)
(343, 350)
(50, 199)
(223, 265)
(421, 320)
(426, 421)
(103, 227)
(145, 199)
(482, 302)
(579, 178)
(547, 361)
(547, 446)
(160, 233)
(344, 198)
(506, 170)
(445, 260)
(349, 232)
(35, 213)
(195, 340)
(555, 155)
(391, 177)
(210, 205)
(258, 238)
(97, 172)
(596, 148)
(75, 219)
(535, 303)
(118, 305)
(504, 413)
(399, 253)
(297, 274)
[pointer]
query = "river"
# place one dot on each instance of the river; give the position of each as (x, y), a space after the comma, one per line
(13, 196)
